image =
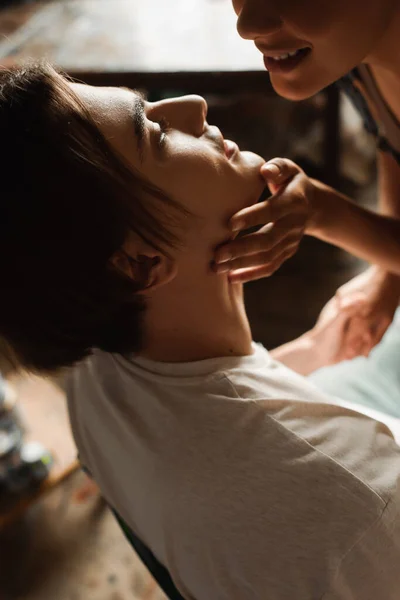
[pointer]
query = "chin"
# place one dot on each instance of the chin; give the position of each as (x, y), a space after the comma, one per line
(252, 160)
(295, 90)
(250, 167)
(305, 83)
(255, 182)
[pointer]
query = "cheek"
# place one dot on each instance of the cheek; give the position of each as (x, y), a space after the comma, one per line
(194, 180)
(211, 192)
(342, 26)
(314, 20)
(204, 182)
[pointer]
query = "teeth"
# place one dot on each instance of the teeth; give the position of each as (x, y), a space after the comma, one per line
(285, 56)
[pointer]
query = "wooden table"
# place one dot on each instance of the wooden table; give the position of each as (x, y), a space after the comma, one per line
(192, 46)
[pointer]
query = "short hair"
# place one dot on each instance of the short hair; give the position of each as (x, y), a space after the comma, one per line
(67, 204)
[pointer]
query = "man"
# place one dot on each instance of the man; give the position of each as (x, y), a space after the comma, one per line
(242, 478)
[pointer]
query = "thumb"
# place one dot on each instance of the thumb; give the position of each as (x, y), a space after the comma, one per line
(278, 171)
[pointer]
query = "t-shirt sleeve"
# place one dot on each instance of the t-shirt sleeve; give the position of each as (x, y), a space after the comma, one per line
(371, 568)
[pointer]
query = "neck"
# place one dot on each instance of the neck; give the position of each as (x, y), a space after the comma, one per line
(386, 54)
(198, 315)
(385, 65)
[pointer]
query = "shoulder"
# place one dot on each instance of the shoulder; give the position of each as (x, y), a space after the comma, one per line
(369, 569)
(351, 85)
(309, 500)
(88, 387)
(299, 510)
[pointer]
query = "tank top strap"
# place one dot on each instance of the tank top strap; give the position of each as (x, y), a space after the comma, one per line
(359, 85)
(388, 125)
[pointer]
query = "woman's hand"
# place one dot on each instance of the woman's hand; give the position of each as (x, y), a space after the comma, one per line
(319, 347)
(285, 216)
(373, 298)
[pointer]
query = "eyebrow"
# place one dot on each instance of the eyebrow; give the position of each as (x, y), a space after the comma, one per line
(139, 121)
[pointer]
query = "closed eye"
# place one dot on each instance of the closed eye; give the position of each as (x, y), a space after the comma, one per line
(164, 129)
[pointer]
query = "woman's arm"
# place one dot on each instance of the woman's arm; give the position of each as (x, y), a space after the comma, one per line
(389, 204)
(389, 185)
(321, 346)
(379, 288)
(370, 236)
(300, 355)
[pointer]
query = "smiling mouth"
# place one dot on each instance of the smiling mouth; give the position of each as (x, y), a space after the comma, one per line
(279, 61)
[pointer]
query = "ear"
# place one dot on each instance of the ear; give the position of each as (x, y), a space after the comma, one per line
(150, 269)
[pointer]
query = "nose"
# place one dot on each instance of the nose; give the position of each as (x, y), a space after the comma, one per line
(187, 113)
(256, 18)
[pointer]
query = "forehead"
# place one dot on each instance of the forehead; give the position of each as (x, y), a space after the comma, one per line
(103, 101)
(116, 112)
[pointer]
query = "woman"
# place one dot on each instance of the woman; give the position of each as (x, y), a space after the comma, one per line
(308, 45)
(240, 476)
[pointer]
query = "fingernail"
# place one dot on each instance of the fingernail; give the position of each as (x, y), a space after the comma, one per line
(271, 169)
(223, 256)
(237, 225)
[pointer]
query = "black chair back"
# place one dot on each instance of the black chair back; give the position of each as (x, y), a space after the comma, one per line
(158, 571)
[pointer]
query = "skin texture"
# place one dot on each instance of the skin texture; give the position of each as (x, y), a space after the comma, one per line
(192, 312)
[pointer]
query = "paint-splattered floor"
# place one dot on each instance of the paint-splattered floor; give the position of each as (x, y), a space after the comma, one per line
(71, 549)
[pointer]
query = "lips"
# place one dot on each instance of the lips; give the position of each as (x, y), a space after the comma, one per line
(230, 149)
(284, 61)
(227, 147)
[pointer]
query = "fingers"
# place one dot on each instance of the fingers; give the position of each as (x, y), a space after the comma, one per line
(379, 330)
(247, 275)
(360, 346)
(278, 171)
(363, 336)
(256, 244)
(268, 211)
(364, 330)
(343, 315)
(244, 275)
(358, 339)
(287, 247)
(346, 328)
(283, 203)
(289, 197)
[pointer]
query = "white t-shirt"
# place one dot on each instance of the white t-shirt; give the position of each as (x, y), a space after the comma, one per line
(243, 479)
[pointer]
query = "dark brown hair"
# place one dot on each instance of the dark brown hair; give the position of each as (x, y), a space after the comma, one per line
(67, 204)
